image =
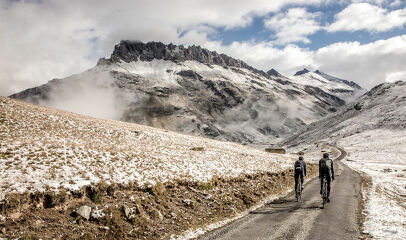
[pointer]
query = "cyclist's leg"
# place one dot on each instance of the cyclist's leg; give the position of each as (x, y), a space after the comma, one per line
(321, 183)
(296, 179)
(302, 179)
(328, 185)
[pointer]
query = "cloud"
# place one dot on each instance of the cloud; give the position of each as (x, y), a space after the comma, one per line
(35, 47)
(365, 16)
(294, 25)
(396, 3)
(46, 39)
(42, 40)
(396, 76)
(265, 55)
(367, 64)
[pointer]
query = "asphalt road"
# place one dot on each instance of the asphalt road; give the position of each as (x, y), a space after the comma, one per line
(288, 219)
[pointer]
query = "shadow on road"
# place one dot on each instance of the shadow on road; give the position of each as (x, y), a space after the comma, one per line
(282, 209)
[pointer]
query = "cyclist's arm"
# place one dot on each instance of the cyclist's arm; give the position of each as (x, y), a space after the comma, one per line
(319, 169)
(332, 169)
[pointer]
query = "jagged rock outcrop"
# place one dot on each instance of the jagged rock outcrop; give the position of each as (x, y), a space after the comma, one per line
(274, 73)
(131, 51)
(301, 72)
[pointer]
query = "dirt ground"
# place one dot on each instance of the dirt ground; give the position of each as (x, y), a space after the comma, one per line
(132, 212)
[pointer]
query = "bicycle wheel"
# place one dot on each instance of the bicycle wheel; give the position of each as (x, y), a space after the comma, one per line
(324, 191)
(298, 190)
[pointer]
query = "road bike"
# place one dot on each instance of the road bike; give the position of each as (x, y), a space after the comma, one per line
(324, 193)
(298, 189)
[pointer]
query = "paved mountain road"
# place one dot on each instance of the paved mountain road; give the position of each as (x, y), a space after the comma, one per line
(288, 219)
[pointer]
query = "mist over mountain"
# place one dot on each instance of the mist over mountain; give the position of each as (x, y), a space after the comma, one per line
(195, 91)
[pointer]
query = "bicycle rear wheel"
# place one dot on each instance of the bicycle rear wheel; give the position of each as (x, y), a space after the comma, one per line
(298, 189)
(324, 191)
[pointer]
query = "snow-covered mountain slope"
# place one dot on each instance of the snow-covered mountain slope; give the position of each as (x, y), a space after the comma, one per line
(384, 106)
(341, 88)
(45, 149)
(372, 130)
(190, 90)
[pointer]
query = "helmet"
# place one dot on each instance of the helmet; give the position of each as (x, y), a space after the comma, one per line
(325, 155)
(300, 158)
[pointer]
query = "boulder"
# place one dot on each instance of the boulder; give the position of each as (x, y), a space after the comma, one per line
(84, 211)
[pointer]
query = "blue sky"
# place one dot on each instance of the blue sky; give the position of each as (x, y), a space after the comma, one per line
(358, 40)
(258, 32)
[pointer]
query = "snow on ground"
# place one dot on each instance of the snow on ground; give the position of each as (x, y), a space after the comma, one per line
(381, 154)
(165, 71)
(45, 149)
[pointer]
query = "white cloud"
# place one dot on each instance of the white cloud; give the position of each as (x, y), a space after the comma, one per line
(48, 39)
(294, 25)
(396, 3)
(364, 16)
(367, 64)
(34, 47)
(396, 76)
(41, 40)
(265, 55)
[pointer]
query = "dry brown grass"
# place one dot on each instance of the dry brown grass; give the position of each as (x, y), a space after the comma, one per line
(160, 211)
(366, 184)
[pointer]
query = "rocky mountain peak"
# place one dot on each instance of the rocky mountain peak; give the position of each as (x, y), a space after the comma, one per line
(129, 51)
(301, 72)
(336, 79)
(275, 73)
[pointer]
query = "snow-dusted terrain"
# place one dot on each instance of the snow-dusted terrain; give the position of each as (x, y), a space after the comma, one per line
(372, 130)
(381, 154)
(46, 149)
(190, 90)
(341, 88)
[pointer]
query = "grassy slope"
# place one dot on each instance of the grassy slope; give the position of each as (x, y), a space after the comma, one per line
(54, 161)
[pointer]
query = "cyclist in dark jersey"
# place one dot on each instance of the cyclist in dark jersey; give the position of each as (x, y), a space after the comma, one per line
(326, 167)
(300, 170)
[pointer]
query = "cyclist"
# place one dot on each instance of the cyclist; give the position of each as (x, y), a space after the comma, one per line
(300, 171)
(326, 167)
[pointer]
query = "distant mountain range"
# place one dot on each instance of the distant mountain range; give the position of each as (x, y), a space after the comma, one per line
(196, 91)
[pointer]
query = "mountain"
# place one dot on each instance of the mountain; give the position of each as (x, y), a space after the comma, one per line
(191, 90)
(344, 89)
(383, 107)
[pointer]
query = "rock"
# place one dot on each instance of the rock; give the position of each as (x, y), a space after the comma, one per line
(358, 106)
(187, 202)
(301, 72)
(135, 50)
(84, 211)
(3, 230)
(273, 72)
(160, 216)
(126, 211)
